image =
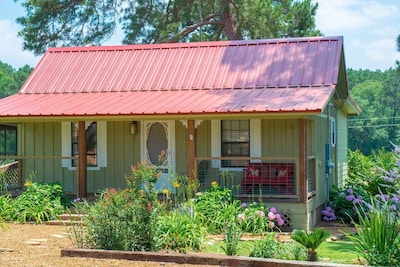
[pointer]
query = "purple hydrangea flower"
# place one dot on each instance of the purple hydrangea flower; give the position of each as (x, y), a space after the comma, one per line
(350, 191)
(244, 205)
(350, 198)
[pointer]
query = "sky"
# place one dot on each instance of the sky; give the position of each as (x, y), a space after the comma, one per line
(369, 29)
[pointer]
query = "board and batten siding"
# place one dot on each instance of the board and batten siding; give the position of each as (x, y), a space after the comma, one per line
(45, 139)
(280, 138)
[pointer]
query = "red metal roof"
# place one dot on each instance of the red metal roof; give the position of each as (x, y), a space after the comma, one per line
(277, 75)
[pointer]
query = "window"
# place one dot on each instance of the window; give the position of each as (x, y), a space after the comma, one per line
(96, 138)
(8, 142)
(91, 143)
(333, 131)
(235, 142)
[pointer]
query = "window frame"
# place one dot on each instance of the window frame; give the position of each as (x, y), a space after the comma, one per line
(101, 145)
(255, 143)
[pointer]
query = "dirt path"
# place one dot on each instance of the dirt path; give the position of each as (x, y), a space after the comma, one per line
(40, 245)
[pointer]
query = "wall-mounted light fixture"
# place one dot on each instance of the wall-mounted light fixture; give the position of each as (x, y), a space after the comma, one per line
(134, 127)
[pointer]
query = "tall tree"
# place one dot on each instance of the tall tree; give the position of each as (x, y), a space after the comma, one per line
(90, 22)
(378, 125)
(11, 80)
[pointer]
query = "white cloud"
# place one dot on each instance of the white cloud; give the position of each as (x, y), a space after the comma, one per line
(11, 51)
(369, 27)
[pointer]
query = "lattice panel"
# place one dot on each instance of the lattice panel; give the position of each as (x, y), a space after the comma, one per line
(287, 217)
(9, 179)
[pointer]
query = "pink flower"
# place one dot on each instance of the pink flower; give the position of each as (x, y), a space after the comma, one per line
(260, 213)
(271, 216)
(241, 217)
(271, 225)
(281, 222)
(273, 210)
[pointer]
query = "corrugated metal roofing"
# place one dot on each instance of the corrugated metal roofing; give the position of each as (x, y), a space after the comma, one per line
(277, 75)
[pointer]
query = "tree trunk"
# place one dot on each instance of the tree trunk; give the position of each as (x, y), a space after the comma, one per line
(231, 25)
(312, 255)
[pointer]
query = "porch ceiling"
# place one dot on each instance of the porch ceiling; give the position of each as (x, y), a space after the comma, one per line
(262, 100)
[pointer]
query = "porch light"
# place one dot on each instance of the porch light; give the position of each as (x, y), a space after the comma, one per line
(134, 126)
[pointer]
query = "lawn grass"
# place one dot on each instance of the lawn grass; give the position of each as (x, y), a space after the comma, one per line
(341, 251)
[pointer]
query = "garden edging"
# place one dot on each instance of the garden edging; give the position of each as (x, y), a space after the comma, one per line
(180, 258)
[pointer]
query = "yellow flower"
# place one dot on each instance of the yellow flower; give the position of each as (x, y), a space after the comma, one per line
(27, 184)
(141, 191)
(165, 191)
(214, 183)
(176, 184)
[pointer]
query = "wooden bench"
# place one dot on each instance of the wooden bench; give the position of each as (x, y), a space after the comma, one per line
(279, 177)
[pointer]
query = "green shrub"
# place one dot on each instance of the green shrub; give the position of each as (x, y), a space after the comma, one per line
(179, 230)
(125, 220)
(342, 201)
(268, 247)
(215, 206)
(121, 220)
(39, 203)
(366, 173)
(256, 218)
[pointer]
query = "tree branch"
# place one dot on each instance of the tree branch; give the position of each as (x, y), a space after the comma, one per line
(191, 28)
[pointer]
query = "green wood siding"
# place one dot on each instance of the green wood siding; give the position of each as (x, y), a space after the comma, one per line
(44, 140)
(280, 138)
(181, 148)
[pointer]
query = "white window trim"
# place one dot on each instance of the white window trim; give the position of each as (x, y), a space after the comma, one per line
(101, 145)
(255, 142)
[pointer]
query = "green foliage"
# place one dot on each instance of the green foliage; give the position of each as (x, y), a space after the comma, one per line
(310, 240)
(377, 94)
(231, 234)
(11, 80)
(272, 247)
(342, 201)
(66, 23)
(39, 203)
(126, 220)
(179, 230)
(121, 220)
(215, 206)
(255, 218)
(377, 239)
(366, 173)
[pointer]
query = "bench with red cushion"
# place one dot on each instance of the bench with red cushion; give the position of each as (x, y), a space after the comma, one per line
(279, 176)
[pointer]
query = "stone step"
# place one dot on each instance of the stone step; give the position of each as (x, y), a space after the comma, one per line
(67, 219)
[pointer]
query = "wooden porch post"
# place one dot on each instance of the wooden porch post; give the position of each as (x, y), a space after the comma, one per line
(191, 148)
(82, 161)
(302, 160)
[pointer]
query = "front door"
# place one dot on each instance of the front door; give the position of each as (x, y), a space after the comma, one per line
(159, 136)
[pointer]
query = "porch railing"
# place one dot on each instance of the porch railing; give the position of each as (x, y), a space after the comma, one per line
(18, 169)
(256, 176)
